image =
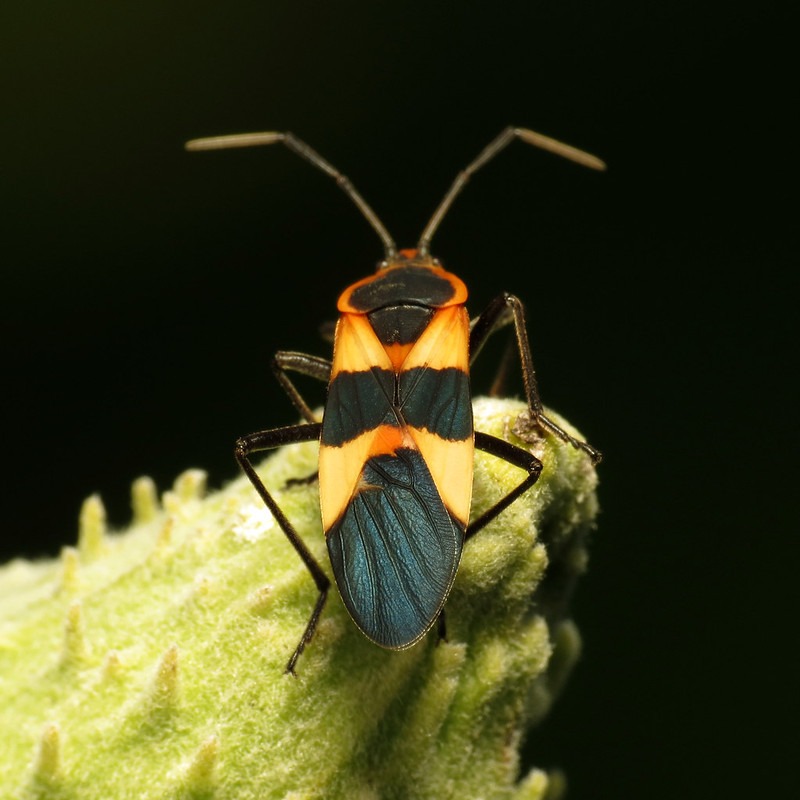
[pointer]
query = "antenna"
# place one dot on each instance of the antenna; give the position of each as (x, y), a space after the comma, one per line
(390, 248)
(487, 154)
(304, 151)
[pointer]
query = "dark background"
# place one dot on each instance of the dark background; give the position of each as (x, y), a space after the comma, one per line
(144, 290)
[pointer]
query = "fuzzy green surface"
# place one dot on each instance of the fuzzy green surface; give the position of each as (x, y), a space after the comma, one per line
(150, 663)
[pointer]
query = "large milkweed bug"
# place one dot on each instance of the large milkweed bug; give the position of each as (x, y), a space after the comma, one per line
(396, 438)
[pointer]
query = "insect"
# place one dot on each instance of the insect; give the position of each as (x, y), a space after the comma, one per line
(396, 437)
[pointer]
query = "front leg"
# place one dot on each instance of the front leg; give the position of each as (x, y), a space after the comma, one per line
(504, 310)
(312, 366)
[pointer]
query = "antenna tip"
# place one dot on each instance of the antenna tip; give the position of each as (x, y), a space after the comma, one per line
(560, 149)
(596, 163)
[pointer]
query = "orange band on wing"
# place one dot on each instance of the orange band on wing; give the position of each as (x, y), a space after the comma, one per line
(444, 343)
(450, 463)
(340, 468)
(357, 347)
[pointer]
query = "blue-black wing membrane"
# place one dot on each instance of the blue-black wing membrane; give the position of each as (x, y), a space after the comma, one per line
(358, 402)
(395, 550)
(437, 400)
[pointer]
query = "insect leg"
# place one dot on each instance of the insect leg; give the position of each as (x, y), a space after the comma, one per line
(441, 627)
(314, 367)
(268, 440)
(504, 310)
(514, 455)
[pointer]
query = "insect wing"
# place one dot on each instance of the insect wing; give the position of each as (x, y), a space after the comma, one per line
(396, 550)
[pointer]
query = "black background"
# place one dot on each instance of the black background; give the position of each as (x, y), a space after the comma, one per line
(144, 290)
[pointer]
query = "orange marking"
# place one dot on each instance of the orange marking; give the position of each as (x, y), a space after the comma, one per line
(340, 468)
(387, 438)
(459, 287)
(450, 464)
(339, 471)
(444, 343)
(398, 354)
(409, 253)
(357, 347)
